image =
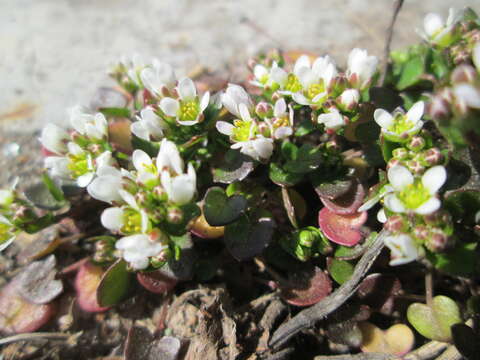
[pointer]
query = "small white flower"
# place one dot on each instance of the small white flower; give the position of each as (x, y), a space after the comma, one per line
(403, 249)
(136, 250)
(332, 120)
(7, 232)
(181, 188)
(233, 97)
(125, 220)
(158, 78)
(105, 187)
(147, 172)
(416, 195)
(349, 99)
(92, 126)
(148, 125)
(54, 139)
(260, 148)
(57, 166)
(281, 125)
(133, 66)
(467, 95)
(273, 78)
(361, 68)
(400, 127)
(169, 158)
(440, 32)
(188, 109)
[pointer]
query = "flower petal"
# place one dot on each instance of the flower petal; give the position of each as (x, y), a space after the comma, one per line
(105, 188)
(112, 218)
(182, 190)
(383, 118)
(205, 101)
(186, 89)
(434, 178)
(263, 147)
(416, 112)
(139, 129)
(85, 179)
(280, 107)
(141, 160)
(224, 127)
(399, 177)
(302, 62)
(244, 112)
(128, 198)
(476, 55)
(394, 204)
(429, 206)
(468, 94)
(170, 106)
(432, 23)
(381, 217)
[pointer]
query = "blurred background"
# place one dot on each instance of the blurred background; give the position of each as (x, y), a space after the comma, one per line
(56, 53)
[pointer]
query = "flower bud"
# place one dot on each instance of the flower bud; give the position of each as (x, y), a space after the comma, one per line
(264, 129)
(421, 232)
(433, 156)
(400, 153)
(349, 99)
(174, 215)
(417, 143)
(415, 167)
(160, 193)
(6, 198)
(264, 109)
(439, 108)
(340, 83)
(392, 162)
(437, 241)
(464, 73)
(160, 259)
(395, 223)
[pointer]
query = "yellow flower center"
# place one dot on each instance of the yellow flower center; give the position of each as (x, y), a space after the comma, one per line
(401, 124)
(414, 195)
(293, 84)
(189, 110)
(314, 90)
(241, 132)
(132, 222)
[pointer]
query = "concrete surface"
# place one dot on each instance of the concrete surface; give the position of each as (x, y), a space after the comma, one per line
(55, 53)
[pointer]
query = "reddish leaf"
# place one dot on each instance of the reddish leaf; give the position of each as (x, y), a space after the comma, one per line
(342, 229)
(307, 287)
(17, 315)
(86, 283)
(156, 281)
(378, 291)
(348, 203)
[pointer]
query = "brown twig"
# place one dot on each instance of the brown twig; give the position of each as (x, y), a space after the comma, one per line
(429, 286)
(386, 52)
(34, 336)
(427, 351)
(310, 316)
(361, 356)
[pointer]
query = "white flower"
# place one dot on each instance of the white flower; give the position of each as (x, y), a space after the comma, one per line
(349, 99)
(400, 127)
(181, 188)
(136, 250)
(7, 232)
(233, 97)
(105, 187)
(274, 78)
(158, 78)
(417, 195)
(188, 109)
(467, 95)
(133, 66)
(403, 249)
(281, 125)
(440, 32)
(54, 138)
(169, 158)
(147, 172)
(260, 148)
(128, 219)
(148, 125)
(314, 80)
(57, 166)
(361, 68)
(92, 126)
(332, 120)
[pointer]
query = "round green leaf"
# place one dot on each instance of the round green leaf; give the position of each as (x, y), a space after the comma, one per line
(114, 285)
(220, 210)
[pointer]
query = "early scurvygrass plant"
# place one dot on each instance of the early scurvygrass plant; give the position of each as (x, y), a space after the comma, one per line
(240, 168)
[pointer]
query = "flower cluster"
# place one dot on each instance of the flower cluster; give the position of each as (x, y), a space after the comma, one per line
(79, 154)
(147, 200)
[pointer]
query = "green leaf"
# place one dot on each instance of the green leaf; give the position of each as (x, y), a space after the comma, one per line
(220, 210)
(236, 167)
(289, 150)
(115, 112)
(387, 148)
(340, 270)
(304, 128)
(56, 192)
(437, 63)
(463, 205)
(435, 322)
(114, 285)
(150, 147)
(412, 70)
(459, 261)
(306, 160)
(245, 240)
(282, 177)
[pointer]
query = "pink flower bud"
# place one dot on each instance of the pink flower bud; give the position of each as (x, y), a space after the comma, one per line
(263, 109)
(400, 153)
(433, 156)
(395, 223)
(464, 73)
(416, 143)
